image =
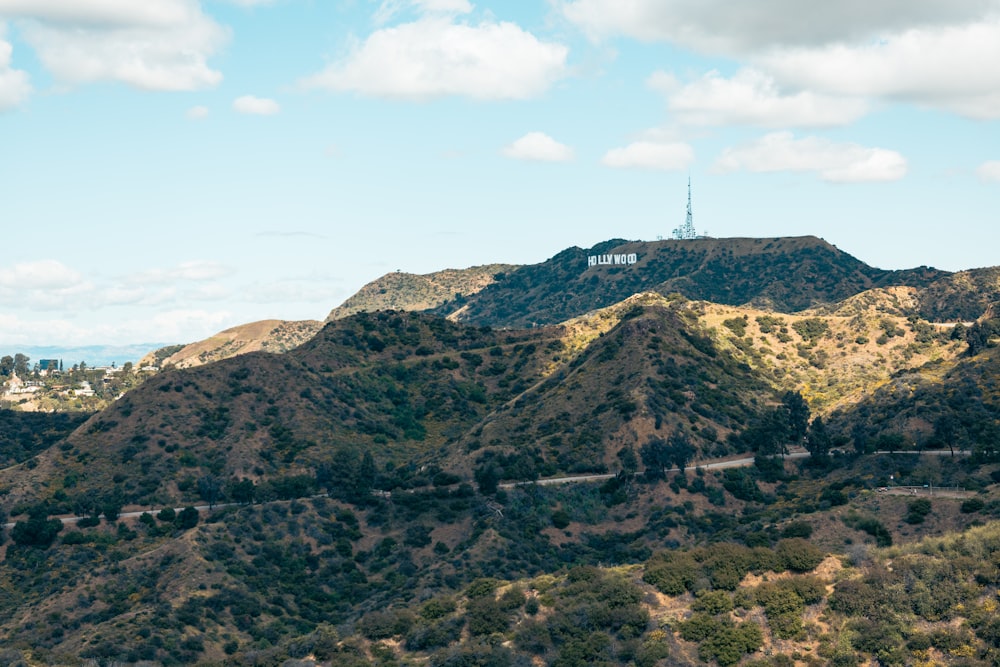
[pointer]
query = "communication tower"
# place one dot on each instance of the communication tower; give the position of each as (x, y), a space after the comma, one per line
(687, 231)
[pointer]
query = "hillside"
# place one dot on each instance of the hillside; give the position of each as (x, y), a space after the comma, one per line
(409, 291)
(367, 497)
(411, 388)
(266, 335)
(652, 374)
(937, 405)
(782, 274)
(964, 296)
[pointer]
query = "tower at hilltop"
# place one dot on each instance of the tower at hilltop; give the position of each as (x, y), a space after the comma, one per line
(687, 231)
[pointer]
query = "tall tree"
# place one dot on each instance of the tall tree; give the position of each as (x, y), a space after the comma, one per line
(629, 461)
(655, 456)
(21, 364)
(210, 489)
(818, 440)
(6, 365)
(946, 431)
(797, 412)
(680, 450)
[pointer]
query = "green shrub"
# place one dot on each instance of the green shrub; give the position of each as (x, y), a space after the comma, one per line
(713, 602)
(560, 519)
(482, 587)
(485, 616)
(438, 607)
(385, 624)
(737, 325)
(798, 555)
(672, 575)
(972, 505)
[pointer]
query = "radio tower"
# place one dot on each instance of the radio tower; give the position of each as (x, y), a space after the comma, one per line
(687, 231)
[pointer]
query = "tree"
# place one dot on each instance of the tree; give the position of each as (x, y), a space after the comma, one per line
(818, 440)
(655, 457)
(243, 491)
(629, 461)
(210, 489)
(680, 450)
(366, 474)
(859, 434)
(21, 364)
(38, 530)
(797, 414)
(487, 478)
(6, 365)
(946, 431)
(111, 507)
(187, 518)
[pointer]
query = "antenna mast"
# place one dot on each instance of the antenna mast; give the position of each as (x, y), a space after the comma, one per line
(687, 231)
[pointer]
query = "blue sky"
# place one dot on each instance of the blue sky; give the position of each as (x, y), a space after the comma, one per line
(170, 168)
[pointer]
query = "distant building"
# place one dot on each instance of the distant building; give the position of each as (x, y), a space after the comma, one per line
(16, 385)
(49, 366)
(84, 390)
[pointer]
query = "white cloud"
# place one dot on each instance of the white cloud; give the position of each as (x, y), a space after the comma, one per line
(152, 45)
(926, 52)
(670, 156)
(101, 12)
(42, 274)
(989, 172)
(724, 26)
(176, 326)
(663, 82)
(196, 270)
(538, 147)
(44, 285)
(14, 84)
(197, 113)
(753, 98)
(260, 106)
(435, 57)
(945, 68)
(835, 163)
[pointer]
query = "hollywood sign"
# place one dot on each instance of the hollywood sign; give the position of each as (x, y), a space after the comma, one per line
(612, 260)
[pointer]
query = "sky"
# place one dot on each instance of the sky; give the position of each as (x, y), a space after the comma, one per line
(171, 168)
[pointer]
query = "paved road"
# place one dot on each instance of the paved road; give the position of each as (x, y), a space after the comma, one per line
(713, 465)
(69, 519)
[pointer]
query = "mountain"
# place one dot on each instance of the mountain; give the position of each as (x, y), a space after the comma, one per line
(408, 291)
(266, 335)
(374, 495)
(393, 291)
(413, 387)
(782, 274)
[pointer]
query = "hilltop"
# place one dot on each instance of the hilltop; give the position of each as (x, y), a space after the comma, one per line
(781, 274)
(266, 335)
(409, 291)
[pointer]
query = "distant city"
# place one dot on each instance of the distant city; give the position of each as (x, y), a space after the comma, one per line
(93, 355)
